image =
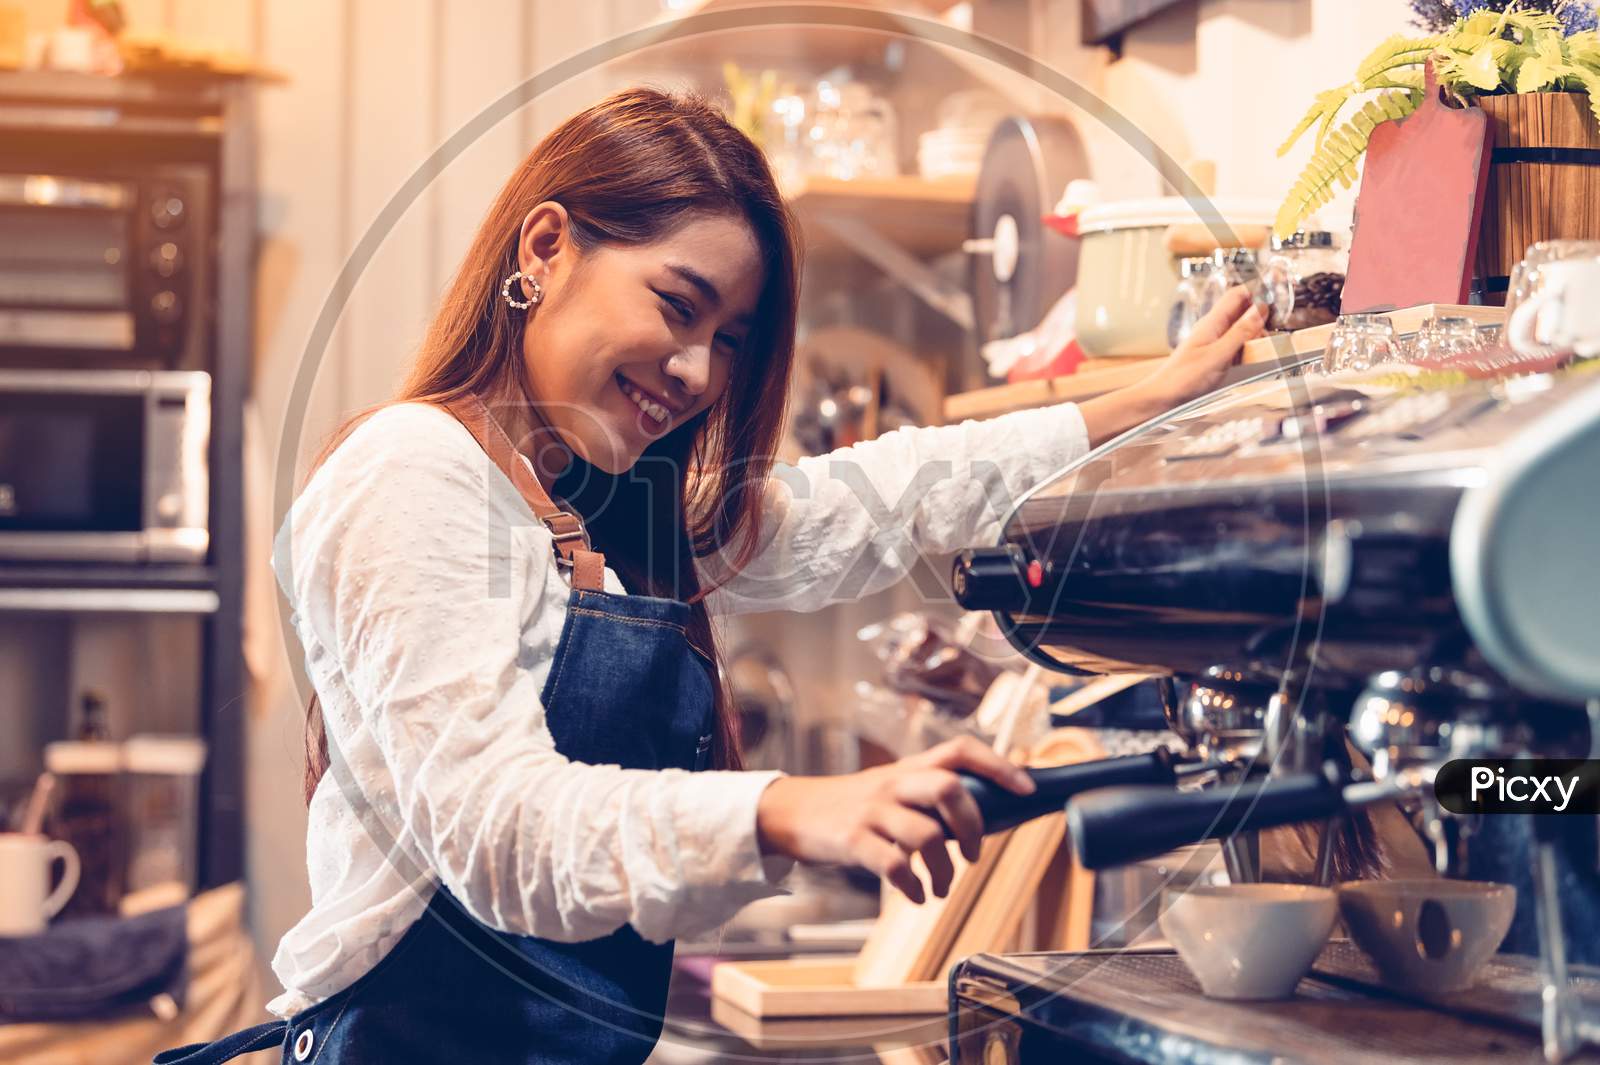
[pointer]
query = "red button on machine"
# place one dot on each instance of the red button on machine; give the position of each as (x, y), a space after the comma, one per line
(1035, 573)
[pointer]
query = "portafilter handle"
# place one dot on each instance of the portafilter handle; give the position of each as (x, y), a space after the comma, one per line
(1055, 785)
(1119, 826)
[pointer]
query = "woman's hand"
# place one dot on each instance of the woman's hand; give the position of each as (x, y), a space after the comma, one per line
(1194, 368)
(880, 817)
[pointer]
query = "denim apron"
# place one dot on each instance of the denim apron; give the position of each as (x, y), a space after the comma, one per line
(626, 687)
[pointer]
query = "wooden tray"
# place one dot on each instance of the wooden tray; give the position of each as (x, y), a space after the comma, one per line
(817, 987)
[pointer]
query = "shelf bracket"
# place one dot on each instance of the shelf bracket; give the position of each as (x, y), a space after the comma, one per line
(949, 300)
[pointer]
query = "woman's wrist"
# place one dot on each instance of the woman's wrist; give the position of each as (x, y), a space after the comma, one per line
(775, 817)
(1109, 415)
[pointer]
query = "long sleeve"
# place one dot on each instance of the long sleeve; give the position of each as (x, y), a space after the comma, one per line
(423, 588)
(852, 522)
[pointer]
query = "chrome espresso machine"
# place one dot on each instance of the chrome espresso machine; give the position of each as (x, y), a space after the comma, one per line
(1350, 581)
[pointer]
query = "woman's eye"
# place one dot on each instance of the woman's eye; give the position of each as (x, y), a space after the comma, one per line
(685, 311)
(729, 343)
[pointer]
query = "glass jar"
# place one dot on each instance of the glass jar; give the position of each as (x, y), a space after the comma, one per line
(1238, 266)
(162, 788)
(1193, 298)
(1305, 278)
(1360, 342)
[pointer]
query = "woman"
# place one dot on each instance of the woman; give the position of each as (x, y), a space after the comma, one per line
(506, 826)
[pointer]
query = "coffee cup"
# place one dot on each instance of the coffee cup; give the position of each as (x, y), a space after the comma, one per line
(1427, 936)
(26, 901)
(1249, 941)
(1561, 312)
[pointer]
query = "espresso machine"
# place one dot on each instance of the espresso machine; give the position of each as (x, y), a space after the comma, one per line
(1350, 581)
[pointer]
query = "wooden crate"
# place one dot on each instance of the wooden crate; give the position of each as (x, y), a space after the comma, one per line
(1531, 199)
(817, 987)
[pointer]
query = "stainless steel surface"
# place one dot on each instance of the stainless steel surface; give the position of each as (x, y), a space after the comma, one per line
(110, 600)
(1406, 553)
(173, 463)
(54, 190)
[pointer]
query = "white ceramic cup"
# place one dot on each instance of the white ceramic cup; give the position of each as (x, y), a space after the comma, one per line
(1427, 935)
(1562, 312)
(26, 901)
(1249, 941)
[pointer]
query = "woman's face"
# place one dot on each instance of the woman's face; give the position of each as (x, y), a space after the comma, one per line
(629, 343)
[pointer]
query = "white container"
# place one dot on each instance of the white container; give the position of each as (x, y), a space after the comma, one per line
(163, 812)
(1126, 276)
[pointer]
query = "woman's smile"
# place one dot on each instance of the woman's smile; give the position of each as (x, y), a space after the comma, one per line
(646, 401)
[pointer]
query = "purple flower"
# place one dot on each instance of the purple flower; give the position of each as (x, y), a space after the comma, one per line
(1437, 16)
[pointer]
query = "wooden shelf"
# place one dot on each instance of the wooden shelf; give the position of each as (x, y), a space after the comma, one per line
(1098, 376)
(754, 43)
(922, 217)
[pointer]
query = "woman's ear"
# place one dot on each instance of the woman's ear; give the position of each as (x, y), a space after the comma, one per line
(545, 238)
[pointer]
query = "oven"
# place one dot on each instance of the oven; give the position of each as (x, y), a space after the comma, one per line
(103, 269)
(104, 465)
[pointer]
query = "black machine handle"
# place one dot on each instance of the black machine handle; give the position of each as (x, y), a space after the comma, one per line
(1054, 785)
(1122, 825)
(990, 578)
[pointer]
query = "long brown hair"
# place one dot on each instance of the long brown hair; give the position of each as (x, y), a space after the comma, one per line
(629, 170)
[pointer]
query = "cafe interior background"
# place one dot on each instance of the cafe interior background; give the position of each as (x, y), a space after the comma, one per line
(324, 117)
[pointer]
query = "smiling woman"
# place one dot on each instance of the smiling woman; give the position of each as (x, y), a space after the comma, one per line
(503, 582)
(634, 341)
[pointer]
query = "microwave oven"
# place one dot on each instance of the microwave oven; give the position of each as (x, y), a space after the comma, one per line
(105, 270)
(104, 465)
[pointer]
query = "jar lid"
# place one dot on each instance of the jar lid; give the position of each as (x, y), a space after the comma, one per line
(175, 755)
(1224, 256)
(83, 756)
(1304, 238)
(1176, 210)
(1194, 264)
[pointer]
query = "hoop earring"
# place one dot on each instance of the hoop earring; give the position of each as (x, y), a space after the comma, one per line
(505, 291)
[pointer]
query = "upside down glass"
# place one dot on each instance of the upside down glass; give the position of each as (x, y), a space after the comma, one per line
(1360, 342)
(1444, 336)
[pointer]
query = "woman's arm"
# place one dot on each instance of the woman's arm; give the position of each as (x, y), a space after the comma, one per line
(840, 526)
(417, 576)
(1194, 368)
(844, 525)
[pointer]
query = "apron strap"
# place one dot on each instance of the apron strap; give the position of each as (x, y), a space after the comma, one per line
(572, 540)
(261, 1037)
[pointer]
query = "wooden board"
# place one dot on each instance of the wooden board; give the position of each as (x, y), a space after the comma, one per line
(909, 942)
(1001, 399)
(1418, 210)
(816, 987)
(1011, 890)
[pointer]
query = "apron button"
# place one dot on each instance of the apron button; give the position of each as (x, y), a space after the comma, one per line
(302, 1044)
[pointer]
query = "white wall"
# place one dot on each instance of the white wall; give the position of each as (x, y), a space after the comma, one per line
(1223, 80)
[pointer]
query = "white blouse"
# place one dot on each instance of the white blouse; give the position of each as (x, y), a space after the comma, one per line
(425, 596)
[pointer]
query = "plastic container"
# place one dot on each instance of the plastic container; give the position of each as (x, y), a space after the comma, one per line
(88, 815)
(1126, 276)
(163, 804)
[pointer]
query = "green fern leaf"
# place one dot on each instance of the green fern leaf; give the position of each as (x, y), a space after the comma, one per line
(1591, 85)
(1335, 160)
(1396, 51)
(1326, 105)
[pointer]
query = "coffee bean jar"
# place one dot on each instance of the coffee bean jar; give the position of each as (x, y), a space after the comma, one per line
(1305, 276)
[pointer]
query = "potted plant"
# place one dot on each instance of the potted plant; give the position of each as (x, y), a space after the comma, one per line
(1534, 69)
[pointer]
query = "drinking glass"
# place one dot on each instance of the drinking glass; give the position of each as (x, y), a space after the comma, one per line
(1360, 342)
(1525, 275)
(1440, 337)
